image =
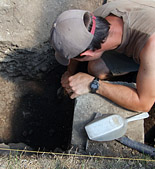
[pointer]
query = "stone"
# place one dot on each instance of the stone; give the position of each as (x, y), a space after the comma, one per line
(88, 105)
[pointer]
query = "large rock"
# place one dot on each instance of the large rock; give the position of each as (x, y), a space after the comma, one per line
(85, 111)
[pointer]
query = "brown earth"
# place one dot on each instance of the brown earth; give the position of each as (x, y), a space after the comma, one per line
(43, 121)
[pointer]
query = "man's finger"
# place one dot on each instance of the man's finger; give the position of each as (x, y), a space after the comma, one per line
(73, 96)
(69, 90)
(64, 80)
(66, 85)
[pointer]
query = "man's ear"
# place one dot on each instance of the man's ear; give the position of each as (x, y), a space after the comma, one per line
(87, 53)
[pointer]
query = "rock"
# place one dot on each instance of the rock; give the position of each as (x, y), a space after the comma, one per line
(85, 110)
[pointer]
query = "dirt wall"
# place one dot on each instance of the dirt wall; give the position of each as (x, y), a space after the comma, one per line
(25, 54)
(28, 22)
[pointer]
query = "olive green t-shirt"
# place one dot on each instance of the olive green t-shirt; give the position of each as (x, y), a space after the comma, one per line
(139, 23)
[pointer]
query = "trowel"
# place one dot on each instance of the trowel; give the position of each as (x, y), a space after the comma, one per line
(106, 127)
(110, 126)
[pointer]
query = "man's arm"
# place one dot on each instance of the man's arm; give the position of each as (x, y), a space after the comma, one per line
(140, 99)
(71, 69)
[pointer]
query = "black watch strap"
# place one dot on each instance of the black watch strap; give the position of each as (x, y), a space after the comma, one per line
(94, 85)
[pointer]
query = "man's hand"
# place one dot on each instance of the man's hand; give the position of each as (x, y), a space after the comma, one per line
(64, 81)
(77, 84)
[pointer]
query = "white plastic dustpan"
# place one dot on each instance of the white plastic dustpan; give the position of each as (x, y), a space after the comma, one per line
(110, 126)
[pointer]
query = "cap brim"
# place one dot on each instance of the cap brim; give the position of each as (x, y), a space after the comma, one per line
(61, 59)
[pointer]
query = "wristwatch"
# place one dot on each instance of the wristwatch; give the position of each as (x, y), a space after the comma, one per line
(94, 85)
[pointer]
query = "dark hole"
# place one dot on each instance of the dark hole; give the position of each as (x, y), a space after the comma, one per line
(41, 120)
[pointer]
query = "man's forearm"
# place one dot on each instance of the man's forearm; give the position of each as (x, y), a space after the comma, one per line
(124, 96)
(72, 67)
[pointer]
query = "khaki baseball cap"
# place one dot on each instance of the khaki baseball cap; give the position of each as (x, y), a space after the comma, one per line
(69, 35)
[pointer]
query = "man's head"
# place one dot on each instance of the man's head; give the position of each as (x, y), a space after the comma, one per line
(75, 31)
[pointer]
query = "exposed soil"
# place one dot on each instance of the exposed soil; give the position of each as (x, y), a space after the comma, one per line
(150, 128)
(41, 120)
(47, 123)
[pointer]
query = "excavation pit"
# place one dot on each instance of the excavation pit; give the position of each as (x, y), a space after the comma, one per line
(44, 121)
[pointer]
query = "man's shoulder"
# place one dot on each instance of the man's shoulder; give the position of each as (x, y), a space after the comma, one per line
(148, 51)
(114, 6)
(151, 41)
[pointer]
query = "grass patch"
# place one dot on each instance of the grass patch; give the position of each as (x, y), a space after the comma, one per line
(40, 161)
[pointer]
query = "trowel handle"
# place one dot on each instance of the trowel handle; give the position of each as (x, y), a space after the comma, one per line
(138, 117)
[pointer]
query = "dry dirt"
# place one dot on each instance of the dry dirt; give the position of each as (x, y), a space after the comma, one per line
(39, 119)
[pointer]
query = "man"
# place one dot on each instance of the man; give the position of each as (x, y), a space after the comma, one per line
(124, 26)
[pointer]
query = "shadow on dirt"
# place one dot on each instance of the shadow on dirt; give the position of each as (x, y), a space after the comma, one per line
(41, 120)
(37, 117)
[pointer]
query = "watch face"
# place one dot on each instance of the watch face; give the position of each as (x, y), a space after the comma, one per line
(94, 85)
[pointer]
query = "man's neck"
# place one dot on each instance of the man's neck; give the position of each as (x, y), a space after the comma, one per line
(116, 31)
